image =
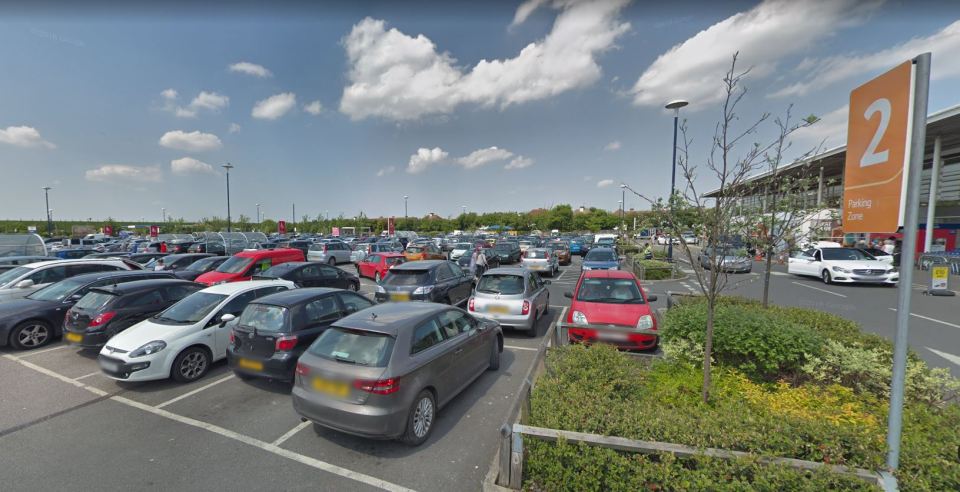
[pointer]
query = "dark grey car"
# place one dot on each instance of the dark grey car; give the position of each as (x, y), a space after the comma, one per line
(383, 372)
(426, 280)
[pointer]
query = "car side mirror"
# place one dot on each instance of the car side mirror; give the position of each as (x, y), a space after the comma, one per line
(651, 298)
(76, 297)
(350, 309)
(568, 295)
(226, 318)
(25, 284)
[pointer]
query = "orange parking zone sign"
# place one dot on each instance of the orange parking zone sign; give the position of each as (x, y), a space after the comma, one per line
(874, 180)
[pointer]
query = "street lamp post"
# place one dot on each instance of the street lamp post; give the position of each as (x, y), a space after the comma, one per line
(675, 105)
(258, 215)
(164, 212)
(623, 206)
(228, 167)
(46, 197)
(405, 197)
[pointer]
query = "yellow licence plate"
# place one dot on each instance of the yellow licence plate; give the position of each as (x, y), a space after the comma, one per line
(253, 365)
(498, 309)
(331, 387)
(74, 337)
(399, 296)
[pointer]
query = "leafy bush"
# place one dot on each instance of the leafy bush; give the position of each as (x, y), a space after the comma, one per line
(653, 269)
(628, 248)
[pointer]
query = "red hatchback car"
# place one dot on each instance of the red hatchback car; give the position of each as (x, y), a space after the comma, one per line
(611, 297)
(377, 265)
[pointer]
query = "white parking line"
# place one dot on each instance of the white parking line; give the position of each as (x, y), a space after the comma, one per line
(929, 319)
(85, 376)
(191, 393)
(292, 432)
(56, 375)
(31, 354)
(945, 355)
(514, 347)
(818, 288)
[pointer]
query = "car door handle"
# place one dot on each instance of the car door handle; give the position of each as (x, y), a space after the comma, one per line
(458, 351)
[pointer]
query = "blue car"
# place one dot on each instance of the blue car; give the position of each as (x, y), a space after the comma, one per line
(601, 259)
(576, 247)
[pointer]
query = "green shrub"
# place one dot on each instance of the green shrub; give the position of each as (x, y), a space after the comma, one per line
(628, 248)
(653, 269)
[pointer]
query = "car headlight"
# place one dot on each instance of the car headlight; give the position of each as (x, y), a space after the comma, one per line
(841, 269)
(893, 270)
(425, 289)
(381, 290)
(645, 322)
(584, 267)
(149, 348)
(579, 318)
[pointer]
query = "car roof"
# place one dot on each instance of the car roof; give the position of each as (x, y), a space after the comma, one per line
(76, 261)
(92, 277)
(420, 265)
(267, 253)
(389, 318)
(506, 271)
(608, 274)
(293, 297)
(138, 286)
(231, 288)
(7, 259)
(601, 249)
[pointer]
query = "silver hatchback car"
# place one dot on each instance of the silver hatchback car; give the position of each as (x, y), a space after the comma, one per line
(384, 372)
(541, 260)
(513, 297)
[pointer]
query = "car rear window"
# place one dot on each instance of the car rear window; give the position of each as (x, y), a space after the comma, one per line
(395, 260)
(414, 249)
(264, 318)
(94, 300)
(348, 346)
(536, 254)
(408, 277)
(600, 255)
(501, 284)
(610, 291)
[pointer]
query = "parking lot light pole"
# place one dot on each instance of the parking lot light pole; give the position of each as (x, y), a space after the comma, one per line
(675, 105)
(405, 197)
(163, 211)
(46, 196)
(623, 206)
(228, 167)
(258, 214)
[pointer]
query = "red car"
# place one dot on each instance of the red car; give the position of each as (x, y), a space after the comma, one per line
(611, 297)
(377, 265)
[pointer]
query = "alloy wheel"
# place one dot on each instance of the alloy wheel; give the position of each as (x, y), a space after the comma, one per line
(33, 336)
(423, 417)
(193, 365)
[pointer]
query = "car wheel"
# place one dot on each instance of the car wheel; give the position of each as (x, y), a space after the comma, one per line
(495, 355)
(826, 277)
(190, 365)
(420, 420)
(377, 278)
(31, 334)
(333, 261)
(355, 287)
(532, 332)
(546, 307)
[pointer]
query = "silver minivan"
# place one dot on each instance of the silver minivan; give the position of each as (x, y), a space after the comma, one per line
(541, 260)
(514, 297)
(331, 252)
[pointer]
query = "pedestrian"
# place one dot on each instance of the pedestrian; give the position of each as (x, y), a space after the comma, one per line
(163, 247)
(647, 252)
(473, 261)
(481, 262)
(889, 246)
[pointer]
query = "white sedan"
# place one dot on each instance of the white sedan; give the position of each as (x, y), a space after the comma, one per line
(843, 265)
(185, 339)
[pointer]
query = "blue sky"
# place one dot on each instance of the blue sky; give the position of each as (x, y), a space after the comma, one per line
(566, 106)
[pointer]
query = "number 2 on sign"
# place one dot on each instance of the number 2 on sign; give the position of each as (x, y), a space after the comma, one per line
(871, 156)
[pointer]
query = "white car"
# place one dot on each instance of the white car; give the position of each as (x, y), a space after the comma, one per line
(842, 265)
(185, 339)
(460, 249)
(26, 279)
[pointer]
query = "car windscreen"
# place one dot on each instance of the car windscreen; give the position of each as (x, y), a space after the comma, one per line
(201, 265)
(235, 264)
(408, 277)
(358, 347)
(610, 290)
(537, 254)
(58, 291)
(503, 247)
(264, 318)
(191, 309)
(414, 249)
(10, 275)
(600, 255)
(464, 246)
(845, 254)
(504, 284)
(557, 246)
(95, 300)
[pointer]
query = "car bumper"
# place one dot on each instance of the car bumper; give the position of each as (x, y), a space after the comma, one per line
(381, 297)
(86, 339)
(521, 321)
(847, 278)
(361, 420)
(624, 341)
(279, 366)
(147, 368)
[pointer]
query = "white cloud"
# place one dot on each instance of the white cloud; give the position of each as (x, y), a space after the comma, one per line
(123, 172)
(480, 157)
(314, 108)
(184, 113)
(615, 145)
(424, 158)
(820, 73)
(274, 106)
(829, 132)
(525, 9)
(24, 136)
(763, 35)
(400, 77)
(194, 141)
(251, 69)
(385, 171)
(519, 162)
(234, 128)
(189, 165)
(603, 183)
(169, 94)
(210, 100)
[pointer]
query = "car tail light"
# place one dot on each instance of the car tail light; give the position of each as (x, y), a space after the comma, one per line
(324, 248)
(67, 316)
(379, 387)
(470, 304)
(233, 337)
(526, 308)
(302, 369)
(102, 318)
(286, 343)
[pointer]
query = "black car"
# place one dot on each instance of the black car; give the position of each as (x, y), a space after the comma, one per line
(179, 261)
(33, 321)
(176, 247)
(301, 244)
(507, 252)
(212, 248)
(273, 331)
(108, 310)
(427, 280)
(201, 266)
(312, 274)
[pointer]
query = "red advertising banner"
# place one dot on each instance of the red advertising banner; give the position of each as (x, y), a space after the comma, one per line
(154, 231)
(108, 230)
(282, 226)
(391, 226)
(336, 231)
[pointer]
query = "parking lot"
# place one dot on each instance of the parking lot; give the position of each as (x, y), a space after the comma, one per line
(63, 425)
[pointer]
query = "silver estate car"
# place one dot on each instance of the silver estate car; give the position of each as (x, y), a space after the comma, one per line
(384, 372)
(514, 297)
(331, 252)
(541, 260)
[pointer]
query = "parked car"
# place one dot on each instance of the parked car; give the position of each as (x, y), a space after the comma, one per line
(612, 298)
(274, 331)
(843, 265)
(11, 262)
(378, 265)
(73, 253)
(424, 251)
(145, 258)
(178, 247)
(27, 279)
(38, 318)
(185, 339)
(312, 274)
(508, 252)
(562, 250)
(576, 247)
(459, 249)
(364, 249)
(109, 309)
(690, 238)
(600, 258)
(331, 252)
(428, 280)
(513, 297)
(384, 372)
(201, 266)
(879, 254)
(178, 261)
(727, 259)
(540, 260)
(301, 244)
(214, 248)
(246, 264)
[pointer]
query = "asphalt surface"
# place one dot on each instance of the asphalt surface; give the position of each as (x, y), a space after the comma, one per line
(63, 425)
